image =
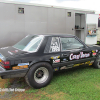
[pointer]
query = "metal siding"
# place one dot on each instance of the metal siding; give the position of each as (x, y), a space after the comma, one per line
(7, 22)
(70, 22)
(56, 20)
(7, 12)
(35, 20)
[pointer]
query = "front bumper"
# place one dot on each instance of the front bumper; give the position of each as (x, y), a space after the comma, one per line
(12, 73)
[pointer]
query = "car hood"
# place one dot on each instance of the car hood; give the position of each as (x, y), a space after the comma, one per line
(10, 51)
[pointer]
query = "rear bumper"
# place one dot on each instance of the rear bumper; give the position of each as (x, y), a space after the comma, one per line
(12, 73)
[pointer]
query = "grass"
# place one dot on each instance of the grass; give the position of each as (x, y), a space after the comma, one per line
(7, 84)
(73, 84)
(76, 84)
(98, 42)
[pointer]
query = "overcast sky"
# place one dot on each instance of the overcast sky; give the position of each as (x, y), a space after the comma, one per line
(83, 4)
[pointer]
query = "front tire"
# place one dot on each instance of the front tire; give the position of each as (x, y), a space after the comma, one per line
(97, 62)
(39, 75)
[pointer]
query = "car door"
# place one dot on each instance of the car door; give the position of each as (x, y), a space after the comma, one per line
(74, 52)
(52, 51)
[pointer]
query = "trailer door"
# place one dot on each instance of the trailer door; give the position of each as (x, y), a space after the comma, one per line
(70, 22)
(92, 26)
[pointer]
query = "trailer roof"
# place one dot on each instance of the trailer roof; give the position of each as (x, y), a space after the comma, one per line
(43, 5)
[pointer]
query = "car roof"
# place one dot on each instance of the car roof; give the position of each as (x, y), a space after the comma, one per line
(55, 34)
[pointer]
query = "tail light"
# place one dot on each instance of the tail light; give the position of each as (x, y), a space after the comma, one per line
(6, 64)
(6, 67)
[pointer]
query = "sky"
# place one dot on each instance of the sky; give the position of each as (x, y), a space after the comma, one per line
(82, 4)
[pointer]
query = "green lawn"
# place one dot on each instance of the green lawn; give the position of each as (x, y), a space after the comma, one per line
(76, 84)
(73, 84)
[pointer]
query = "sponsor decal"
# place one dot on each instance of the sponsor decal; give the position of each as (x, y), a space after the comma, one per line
(64, 67)
(64, 60)
(94, 54)
(55, 48)
(2, 57)
(55, 57)
(71, 65)
(19, 67)
(56, 69)
(93, 51)
(22, 64)
(96, 50)
(76, 65)
(81, 63)
(55, 45)
(81, 55)
(88, 62)
(10, 52)
(56, 61)
(91, 63)
(15, 51)
(4, 48)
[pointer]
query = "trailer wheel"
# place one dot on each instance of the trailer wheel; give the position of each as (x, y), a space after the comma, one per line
(96, 64)
(39, 75)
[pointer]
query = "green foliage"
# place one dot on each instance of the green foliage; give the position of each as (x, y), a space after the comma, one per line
(77, 84)
(73, 84)
(98, 42)
(7, 84)
(31, 90)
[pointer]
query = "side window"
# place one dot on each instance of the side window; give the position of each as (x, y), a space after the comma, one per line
(55, 44)
(70, 43)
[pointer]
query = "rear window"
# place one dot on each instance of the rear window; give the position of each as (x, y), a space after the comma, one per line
(29, 43)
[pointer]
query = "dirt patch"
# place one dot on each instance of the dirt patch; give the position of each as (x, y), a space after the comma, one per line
(3, 82)
(21, 84)
(2, 85)
(12, 84)
(7, 95)
(18, 83)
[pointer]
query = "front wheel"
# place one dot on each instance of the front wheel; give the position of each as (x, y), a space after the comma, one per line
(97, 62)
(39, 75)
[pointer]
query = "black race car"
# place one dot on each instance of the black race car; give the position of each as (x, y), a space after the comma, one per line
(36, 57)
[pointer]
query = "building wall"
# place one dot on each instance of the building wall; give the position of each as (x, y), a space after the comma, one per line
(35, 20)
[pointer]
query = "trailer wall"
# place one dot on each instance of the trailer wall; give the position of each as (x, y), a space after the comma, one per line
(35, 20)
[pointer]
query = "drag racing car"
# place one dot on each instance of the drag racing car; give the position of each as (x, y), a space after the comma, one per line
(37, 57)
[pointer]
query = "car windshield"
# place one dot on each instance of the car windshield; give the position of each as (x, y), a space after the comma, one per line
(29, 43)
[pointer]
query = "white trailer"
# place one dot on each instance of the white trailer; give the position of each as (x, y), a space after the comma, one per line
(92, 28)
(19, 19)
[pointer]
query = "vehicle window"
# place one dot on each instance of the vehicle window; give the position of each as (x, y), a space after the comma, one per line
(70, 43)
(55, 44)
(29, 43)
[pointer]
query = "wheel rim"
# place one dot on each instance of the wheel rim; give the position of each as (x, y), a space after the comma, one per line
(41, 75)
(98, 61)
